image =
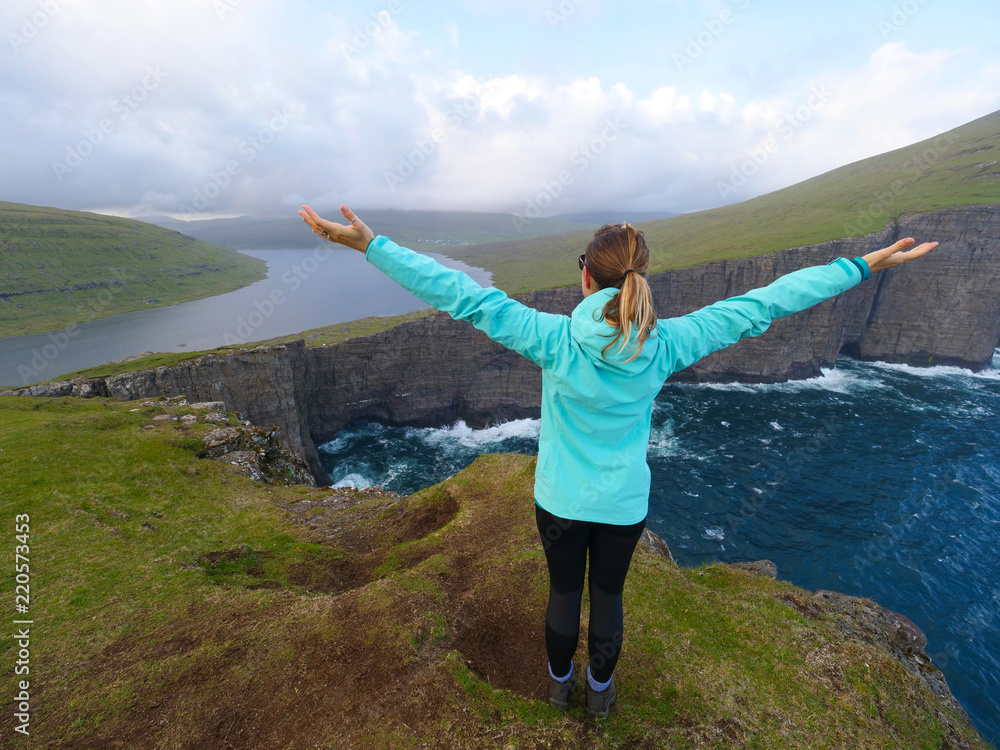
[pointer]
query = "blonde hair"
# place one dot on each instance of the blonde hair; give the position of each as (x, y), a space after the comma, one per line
(617, 256)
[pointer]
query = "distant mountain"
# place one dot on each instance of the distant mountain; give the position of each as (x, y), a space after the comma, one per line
(956, 168)
(409, 227)
(60, 267)
(599, 218)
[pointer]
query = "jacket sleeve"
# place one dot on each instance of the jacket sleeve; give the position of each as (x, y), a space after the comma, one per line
(533, 334)
(693, 336)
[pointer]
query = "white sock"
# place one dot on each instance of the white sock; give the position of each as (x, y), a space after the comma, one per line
(561, 679)
(594, 684)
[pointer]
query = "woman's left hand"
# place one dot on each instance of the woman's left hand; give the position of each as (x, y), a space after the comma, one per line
(893, 255)
(356, 236)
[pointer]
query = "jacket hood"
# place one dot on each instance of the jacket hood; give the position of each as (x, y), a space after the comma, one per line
(592, 333)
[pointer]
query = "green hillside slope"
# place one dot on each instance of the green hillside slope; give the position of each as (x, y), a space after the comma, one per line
(956, 168)
(62, 267)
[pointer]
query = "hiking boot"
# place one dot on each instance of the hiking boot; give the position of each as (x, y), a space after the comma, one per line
(561, 693)
(600, 703)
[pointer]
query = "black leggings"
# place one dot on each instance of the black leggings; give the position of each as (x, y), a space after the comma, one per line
(566, 543)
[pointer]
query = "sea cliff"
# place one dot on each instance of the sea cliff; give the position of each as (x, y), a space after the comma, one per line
(185, 605)
(942, 309)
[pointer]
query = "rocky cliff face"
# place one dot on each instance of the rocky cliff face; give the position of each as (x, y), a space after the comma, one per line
(942, 309)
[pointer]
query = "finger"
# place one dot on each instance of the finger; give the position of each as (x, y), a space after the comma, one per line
(914, 253)
(315, 218)
(352, 217)
(918, 251)
(309, 216)
(896, 247)
(312, 217)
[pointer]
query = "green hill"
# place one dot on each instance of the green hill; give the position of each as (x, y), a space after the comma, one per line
(179, 604)
(956, 168)
(61, 267)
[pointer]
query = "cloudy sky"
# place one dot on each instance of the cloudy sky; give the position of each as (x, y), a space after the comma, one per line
(203, 108)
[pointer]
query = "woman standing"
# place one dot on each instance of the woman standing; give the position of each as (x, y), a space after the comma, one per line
(602, 368)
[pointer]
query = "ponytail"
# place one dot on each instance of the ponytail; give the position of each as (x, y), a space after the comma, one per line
(618, 257)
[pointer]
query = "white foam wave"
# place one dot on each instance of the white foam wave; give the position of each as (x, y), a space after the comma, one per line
(937, 371)
(335, 445)
(714, 534)
(662, 441)
(354, 481)
(839, 381)
(464, 435)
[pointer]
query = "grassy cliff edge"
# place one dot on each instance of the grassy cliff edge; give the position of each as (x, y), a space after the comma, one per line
(180, 604)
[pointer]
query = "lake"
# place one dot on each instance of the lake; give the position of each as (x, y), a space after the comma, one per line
(303, 289)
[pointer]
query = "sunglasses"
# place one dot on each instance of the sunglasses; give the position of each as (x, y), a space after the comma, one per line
(583, 260)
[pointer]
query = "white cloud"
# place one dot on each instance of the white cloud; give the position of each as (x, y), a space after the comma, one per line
(359, 100)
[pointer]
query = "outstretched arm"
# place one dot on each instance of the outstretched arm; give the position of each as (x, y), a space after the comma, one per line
(533, 334)
(693, 336)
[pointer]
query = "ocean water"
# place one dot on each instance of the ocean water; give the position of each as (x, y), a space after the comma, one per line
(876, 480)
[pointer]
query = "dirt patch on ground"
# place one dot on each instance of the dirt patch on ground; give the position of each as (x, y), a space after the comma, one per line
(370, 658)
(367, 534)
(249, 561)
(331, 576)
(500, 634)
(427, 518)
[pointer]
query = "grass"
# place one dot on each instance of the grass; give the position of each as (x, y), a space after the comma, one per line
(61, 267)
(177, 603)
(334, 334)
(958, 168)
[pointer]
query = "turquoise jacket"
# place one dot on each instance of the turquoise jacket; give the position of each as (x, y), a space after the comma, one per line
(596, 411)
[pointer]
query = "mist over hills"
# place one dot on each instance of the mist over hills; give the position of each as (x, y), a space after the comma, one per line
(57, 266)
(437, 227)
(956, 168)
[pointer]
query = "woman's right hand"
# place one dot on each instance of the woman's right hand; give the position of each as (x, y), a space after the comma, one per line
(357, 235)
(893, 255)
